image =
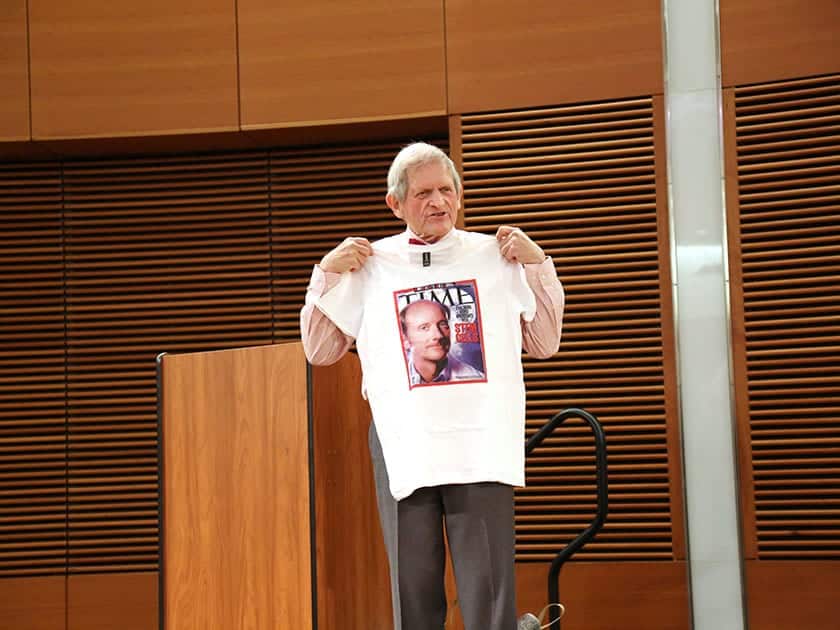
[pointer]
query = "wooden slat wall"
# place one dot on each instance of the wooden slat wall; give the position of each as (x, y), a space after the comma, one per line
(33, 500)
(162, 255)
(586, 181)
(143, 256)
(319, 197)
(783, 168)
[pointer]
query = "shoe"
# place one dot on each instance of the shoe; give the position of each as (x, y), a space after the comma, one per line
(528, 622)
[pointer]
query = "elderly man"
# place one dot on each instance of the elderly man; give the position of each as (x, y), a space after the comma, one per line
(447, 452)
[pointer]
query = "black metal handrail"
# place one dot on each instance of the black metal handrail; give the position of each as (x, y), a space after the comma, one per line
(600, 516)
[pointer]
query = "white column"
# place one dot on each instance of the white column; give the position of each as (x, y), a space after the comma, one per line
(698, 240)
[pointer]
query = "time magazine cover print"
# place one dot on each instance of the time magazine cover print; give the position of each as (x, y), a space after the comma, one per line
(441, 333)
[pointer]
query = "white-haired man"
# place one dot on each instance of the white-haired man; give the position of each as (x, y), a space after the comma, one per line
(446, 452)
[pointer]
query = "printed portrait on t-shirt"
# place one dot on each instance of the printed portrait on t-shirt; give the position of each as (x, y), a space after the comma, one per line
(441, 333)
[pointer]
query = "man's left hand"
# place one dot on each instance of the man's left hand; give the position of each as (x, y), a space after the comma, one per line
(517, 247)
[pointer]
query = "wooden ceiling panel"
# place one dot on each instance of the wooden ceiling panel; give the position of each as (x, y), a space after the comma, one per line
(323, 61)
(501, 55)
(129, 69)
(14, 72)
(767, 41)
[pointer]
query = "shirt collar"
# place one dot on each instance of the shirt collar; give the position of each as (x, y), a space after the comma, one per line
(413, 239)
(414, 376)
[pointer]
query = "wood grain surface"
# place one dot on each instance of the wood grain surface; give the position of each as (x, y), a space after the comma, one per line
(320, 61)
(612, 595)
(14, 72)
(772, 40)
(503, 55)
(792, 594)
(126, 601)
(236, 552)
(353, 582)
(33, 603)
(128, 68)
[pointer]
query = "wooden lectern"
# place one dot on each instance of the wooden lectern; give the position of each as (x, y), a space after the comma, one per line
(268, 511)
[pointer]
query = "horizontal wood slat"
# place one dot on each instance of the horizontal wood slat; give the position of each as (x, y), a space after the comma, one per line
(788, 312)
(163, 255)
(320, 196)
(582, 181)
(33, 487)
(106, 263)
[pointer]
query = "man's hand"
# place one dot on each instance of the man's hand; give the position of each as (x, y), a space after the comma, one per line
(350, 255)
(517, 247)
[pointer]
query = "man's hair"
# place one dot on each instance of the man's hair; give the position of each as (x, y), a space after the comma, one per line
(412, 156)
(444, 309)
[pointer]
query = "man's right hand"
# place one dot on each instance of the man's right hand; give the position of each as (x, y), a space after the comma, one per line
(350, 255)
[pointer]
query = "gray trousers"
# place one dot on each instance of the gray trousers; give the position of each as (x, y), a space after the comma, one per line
(478, 518)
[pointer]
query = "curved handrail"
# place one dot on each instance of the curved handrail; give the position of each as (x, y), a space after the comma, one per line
(600, 516)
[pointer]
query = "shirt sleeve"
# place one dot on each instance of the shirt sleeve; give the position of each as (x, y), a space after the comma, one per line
(324, 343)
(541, 335)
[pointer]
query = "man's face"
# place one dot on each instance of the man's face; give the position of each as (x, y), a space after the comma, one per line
(431, 205)
(427, 331)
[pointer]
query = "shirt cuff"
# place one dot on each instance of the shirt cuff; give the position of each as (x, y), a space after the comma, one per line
(322, 281)
(542, 272)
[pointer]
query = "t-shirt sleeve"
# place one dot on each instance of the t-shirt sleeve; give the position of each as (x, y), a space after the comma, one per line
(343, 304)
(522, 293)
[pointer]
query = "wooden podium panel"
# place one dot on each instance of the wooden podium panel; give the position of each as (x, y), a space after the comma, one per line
(268, 510)
(353, 589)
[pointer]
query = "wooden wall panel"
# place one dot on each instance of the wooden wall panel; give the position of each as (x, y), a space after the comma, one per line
(132, 68)
(126, 601)
(329, 60)
(792, 595)
(586, 182)
(352, 567)
(503, 54)
(14, 71)
(612, 595)
(783, 195)
(33, 434)
(785, 256)
(33, 603)
(167, 254)
(237, 501)
(770, 40)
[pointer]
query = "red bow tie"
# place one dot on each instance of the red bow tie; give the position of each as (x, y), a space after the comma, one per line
(416, 241)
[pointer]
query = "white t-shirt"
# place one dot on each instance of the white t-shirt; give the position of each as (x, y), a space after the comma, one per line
(467, 424)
